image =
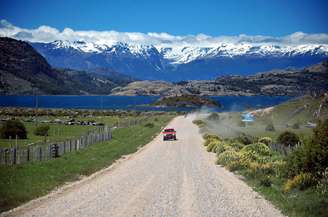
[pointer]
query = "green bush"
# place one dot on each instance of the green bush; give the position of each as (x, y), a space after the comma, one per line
(236, 146)
(301, 181)
(312, 157)
(149, 125)
(296, 161)
(279, 167)
(259, 148)
(261, 169)
(318, 148)
(220, 148)
(227, 157)
(234, 165)
(270, 127)
(42, 130)
(211, 136)
(223, 146)
(199, 123)
(211, 147)
(265, 140)
(288, 138)
(322, 183)
(11, 128)
(245, 139)
(265, 181)
(296, 126)
(257, 152)
(214, 117)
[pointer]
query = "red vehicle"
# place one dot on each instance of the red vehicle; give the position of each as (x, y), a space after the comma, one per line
(169, 134)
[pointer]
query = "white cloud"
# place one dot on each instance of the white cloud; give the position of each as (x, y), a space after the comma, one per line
(49, 34)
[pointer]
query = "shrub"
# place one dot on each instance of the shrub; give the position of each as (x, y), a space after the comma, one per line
(211, 147)
(234, 165)
(259, 148)
(261, 169)
(236, 146)
(288, 138)
(296, 126)
(213, 117)
(296, 161)
(149, 125)
(11, 128)
(270, 127)
(225, 146)
(265, 181)
(322, 185)
(220, 148)
(247, 157)
(199, 123)
(245, 139)
(317, 158)
(279, 167)
(227, 157)
(301, 181)
(312, 157)
(265, 140)
(211, 138)
(257, 152)
(42, 130)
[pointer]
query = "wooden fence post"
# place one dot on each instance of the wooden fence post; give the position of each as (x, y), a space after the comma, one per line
(40, 153)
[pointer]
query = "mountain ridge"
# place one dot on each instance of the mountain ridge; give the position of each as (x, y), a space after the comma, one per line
(24, 71)
(148, 62)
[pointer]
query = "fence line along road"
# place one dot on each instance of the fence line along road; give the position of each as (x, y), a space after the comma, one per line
(20, 155)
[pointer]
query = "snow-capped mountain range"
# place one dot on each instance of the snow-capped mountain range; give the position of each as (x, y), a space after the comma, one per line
(180, 62)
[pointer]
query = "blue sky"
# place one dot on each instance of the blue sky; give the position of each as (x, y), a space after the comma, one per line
(211, 17)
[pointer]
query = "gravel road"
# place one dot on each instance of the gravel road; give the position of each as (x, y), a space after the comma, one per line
(172, 178)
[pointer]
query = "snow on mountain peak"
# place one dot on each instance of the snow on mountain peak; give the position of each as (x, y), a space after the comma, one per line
(178, 54)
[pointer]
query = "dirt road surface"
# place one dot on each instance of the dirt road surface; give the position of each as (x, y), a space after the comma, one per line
(171, 178)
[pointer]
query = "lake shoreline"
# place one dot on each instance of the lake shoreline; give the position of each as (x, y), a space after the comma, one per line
(137, 103)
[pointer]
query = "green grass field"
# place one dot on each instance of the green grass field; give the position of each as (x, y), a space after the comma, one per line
(21, 183)
(57, 132)
(60, 132)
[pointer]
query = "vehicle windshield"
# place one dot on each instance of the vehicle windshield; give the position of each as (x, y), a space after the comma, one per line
(169, 130)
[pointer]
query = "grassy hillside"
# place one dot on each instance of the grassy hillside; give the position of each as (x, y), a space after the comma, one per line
(294, 115)
(295, 179)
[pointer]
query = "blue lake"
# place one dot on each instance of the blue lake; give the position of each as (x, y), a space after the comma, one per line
(230, 103)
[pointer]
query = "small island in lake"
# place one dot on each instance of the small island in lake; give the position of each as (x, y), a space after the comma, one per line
(186, 101)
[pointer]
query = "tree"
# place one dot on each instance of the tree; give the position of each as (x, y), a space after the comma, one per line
(312, 157)
(288, 138)
(11, 128)
(317, 150)
(42, 130)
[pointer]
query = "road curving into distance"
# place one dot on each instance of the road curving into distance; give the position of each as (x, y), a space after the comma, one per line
(171, 178)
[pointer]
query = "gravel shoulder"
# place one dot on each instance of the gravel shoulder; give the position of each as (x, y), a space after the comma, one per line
(171, 178)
